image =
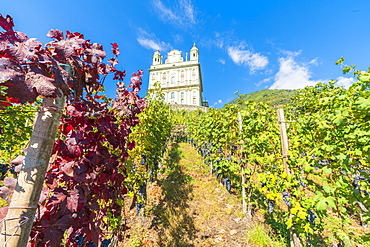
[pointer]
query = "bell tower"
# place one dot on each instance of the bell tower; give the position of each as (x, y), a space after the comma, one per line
(194, 53)
(157, 58)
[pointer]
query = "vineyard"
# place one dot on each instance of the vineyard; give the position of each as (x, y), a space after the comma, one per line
(75, 164)
(308, 169)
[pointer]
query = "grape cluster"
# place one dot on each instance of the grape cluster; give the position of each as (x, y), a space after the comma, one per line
(302, 183)
(271, 204)
(106, 242)
(227, 183)
(91, 244)
(356, 179)
(142, 190)
(216, 172)
(286, 196)
(138, 207)
(3, 169)
(80, 240)
(340, 244)
(308, 241)
(311, 216)
(12, 169)
(142, 193)
(143, 159)
(233, 148)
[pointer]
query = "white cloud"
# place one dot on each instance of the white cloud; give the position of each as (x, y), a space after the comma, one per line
(149, 44)
(293, 75)
(178, 38)
(182, 14)
(345, 82)
(166, 13)
(241, 56)
(149, 41)
(263, 81)
(314, 62)
(218, 102)
(188, 8)
(221, 61)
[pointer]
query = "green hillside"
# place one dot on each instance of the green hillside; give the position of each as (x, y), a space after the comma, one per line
(271, 96)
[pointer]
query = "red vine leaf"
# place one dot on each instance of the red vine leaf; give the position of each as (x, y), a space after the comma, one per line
(10, 182)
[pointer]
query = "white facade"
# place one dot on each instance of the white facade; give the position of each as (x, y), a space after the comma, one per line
(181, 81)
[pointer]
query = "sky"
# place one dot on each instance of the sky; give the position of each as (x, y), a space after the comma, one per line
(244, 46)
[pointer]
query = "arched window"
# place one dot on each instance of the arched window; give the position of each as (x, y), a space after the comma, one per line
(172, 95)
(172, 79)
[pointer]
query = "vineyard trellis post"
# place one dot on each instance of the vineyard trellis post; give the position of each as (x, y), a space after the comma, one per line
(284, 139)
(18, 222)
(294, 239)
(240, 121)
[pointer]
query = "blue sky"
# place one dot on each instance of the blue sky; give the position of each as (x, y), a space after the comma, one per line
(244, 46)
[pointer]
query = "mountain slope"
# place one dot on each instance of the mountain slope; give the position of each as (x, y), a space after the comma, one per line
(271, 96)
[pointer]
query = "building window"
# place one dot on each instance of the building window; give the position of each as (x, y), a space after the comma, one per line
(172, 79)
(182, 76)
(194, 72)
(194, 101)
(164, 76)
(182, 95)
(172, 95)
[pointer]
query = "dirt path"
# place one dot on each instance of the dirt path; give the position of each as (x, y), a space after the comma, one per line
(188, 207)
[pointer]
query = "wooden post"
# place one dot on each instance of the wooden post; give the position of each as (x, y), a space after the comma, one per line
(284, 139)
(294, 239)
(240, 120)
(22, 209)
(243, 192)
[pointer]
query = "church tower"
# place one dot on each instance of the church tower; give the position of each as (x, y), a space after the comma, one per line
(181, 81)
(157, 58)
(194, 53)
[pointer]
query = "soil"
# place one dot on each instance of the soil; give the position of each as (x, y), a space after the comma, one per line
(186, 206)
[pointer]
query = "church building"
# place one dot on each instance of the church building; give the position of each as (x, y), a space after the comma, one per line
(181, 81)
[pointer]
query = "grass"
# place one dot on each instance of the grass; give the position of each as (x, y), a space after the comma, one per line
(259, 237)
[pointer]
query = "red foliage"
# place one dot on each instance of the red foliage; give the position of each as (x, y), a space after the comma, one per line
(85, 171)
(31, 70)
(92, 145)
